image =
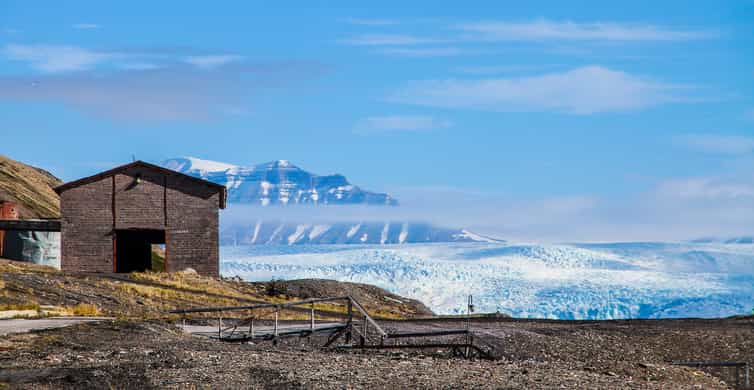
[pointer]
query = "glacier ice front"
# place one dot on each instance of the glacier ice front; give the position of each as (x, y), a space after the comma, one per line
(590, 281)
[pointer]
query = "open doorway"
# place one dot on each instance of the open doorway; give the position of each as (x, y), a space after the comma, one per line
(138, 250)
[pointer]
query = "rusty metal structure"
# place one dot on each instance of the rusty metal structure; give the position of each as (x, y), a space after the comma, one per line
(110, 221)
(356, 329)
(8, 212)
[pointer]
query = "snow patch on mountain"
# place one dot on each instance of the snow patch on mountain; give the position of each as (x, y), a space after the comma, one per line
(289, 233)
(199, 166)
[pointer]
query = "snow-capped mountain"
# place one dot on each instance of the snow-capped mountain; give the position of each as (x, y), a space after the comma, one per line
(286, 233)
(278, 183)
(575, 281)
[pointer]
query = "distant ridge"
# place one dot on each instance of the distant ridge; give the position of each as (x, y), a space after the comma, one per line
(728, 240)
(287, 233)
(278, 183)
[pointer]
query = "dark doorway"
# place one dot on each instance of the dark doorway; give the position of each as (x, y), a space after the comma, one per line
(134, 250)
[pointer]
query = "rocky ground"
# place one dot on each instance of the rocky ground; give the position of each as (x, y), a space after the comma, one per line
(532, 354)
(143, 349)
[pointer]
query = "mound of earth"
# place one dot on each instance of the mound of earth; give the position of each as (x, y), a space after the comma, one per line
(366, 294)
(151, 295)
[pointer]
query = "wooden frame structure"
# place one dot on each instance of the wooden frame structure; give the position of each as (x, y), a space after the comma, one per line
(357, 326)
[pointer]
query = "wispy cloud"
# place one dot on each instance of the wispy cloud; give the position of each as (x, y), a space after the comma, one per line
(212, 61)
(427, 51)
(139, 66)
(707, 188)
(718, 143)
(138, 85)
(56, 58)
(545, 30)
(400, 123)
(484, 70)
(585, 90)
(465, 35)
(387, 40)
(370, 22)
(86, 26)
(66, 58)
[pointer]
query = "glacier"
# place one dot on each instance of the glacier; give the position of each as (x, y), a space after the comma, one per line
(558, 281)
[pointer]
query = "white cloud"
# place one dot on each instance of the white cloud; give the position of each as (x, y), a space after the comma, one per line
(387, 40)
(427, 51)
(400, 123)
(370, 22)
(212, 61)
(173, 92)
(544, 30)
(139, 66)
(715, 143)
(485, 70)
(86, 26)
(707, 188)
(53, 59)
(584, 90)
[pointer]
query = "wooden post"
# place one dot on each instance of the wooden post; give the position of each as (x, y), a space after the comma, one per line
(747, 383)
(311, 325)
(275, 329)
(220, 327)
(251, 327)
(349, 324)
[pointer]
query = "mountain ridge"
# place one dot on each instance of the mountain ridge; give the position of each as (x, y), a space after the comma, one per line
(264, 232)
(278, 182)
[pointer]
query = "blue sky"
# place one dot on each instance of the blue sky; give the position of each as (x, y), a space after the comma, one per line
(578, 120)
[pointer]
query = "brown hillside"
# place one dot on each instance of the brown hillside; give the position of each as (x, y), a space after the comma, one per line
(25, 285)
(31, 188)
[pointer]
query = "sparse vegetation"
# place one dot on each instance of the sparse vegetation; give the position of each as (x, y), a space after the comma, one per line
(152, 294)
(20, 306)
(84, 310)
(30, 187)
(275, 288)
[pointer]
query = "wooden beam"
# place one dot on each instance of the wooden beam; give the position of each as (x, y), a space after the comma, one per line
(37, 225)
(260, 306)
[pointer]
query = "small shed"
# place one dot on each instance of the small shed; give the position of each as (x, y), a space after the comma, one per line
(128, 218)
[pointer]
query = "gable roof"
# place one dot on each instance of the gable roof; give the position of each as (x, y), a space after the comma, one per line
(89, 179)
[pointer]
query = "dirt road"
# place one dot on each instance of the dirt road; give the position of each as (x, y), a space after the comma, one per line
(23, 325)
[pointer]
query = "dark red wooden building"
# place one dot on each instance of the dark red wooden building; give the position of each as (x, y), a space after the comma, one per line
(112, 221)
